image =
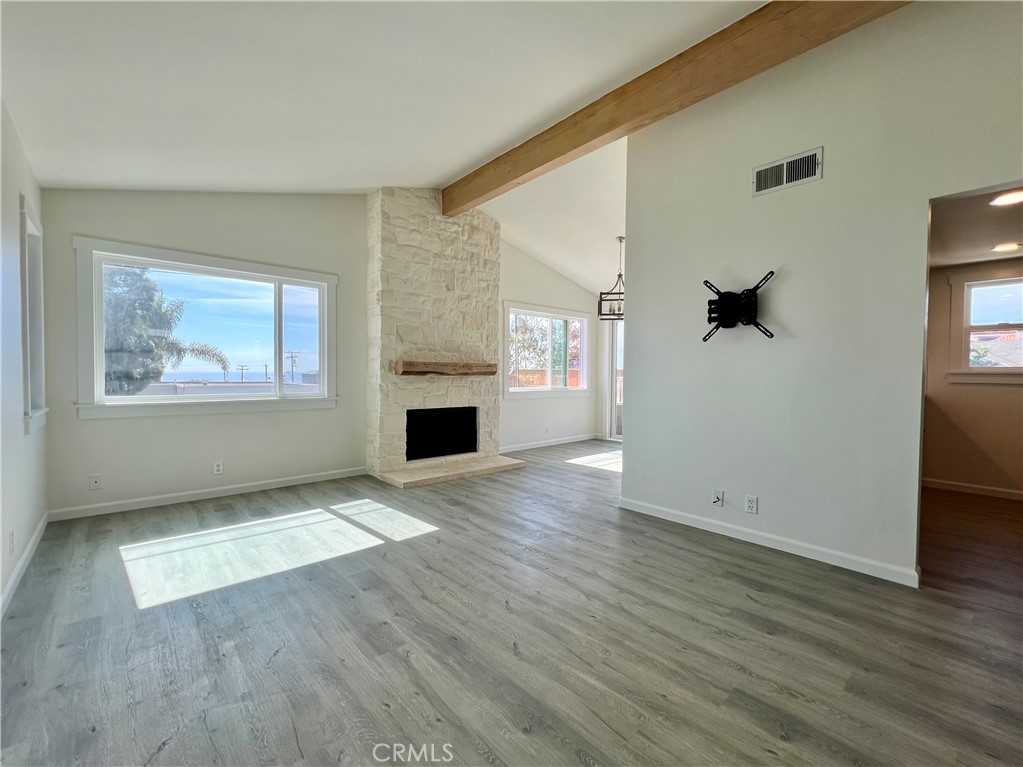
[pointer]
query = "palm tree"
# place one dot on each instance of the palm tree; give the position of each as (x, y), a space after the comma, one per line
(139, 325)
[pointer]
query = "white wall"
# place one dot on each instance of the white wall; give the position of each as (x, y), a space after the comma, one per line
(533, 420)
(973, 433)
(22, 473)
(143, 459)
(823, 422)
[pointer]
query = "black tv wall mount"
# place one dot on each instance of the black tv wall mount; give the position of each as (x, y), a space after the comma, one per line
(731, 309)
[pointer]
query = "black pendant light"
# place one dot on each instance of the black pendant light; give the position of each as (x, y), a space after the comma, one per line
(611, 304)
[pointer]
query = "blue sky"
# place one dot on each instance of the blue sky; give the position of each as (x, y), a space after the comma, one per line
(997, 303)
(236, 316)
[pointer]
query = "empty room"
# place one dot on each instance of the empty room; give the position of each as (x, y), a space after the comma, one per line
(315, 441)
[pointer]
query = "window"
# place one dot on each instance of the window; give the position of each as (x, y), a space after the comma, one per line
(986, 323)
(546, 351)
(994, 332)
(160, 329)
(32, 367)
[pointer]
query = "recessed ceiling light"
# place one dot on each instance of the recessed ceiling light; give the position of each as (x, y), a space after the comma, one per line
(1007, 247)
(1009, 198)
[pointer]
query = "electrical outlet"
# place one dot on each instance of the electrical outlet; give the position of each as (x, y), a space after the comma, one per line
(95, 481)
(12, 543)
(717, 498)
(218, 467)
(751, 504)
(546, 429)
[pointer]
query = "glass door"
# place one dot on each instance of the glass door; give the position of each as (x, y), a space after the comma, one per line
(617, 377)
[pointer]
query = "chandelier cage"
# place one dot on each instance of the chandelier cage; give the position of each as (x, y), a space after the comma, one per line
(611, 303)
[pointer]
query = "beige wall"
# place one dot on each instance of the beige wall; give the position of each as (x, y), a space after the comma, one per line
(973, 433)
(148, 460)
(823, 421)
(22, 470)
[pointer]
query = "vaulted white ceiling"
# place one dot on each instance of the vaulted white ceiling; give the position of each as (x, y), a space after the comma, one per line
(569, 218)
(334, 96)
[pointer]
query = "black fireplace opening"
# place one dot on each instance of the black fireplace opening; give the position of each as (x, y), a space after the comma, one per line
(438, 431)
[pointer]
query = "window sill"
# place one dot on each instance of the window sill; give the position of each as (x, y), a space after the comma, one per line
(88, 411)
(36, 420)
(545, 393)
(998, 377)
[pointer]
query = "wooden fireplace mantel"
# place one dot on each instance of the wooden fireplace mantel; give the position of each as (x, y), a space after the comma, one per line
(420, 368)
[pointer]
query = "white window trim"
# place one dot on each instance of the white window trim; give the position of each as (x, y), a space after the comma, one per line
(959, 371)
(584, 362)
(32, 336)
(610, 371)
(92, 403)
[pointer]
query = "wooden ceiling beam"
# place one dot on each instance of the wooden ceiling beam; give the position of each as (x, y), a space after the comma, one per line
(769, 36)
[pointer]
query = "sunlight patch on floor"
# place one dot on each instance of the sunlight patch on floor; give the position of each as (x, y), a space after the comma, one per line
(173, 568)
(611, 461)
(384, 520)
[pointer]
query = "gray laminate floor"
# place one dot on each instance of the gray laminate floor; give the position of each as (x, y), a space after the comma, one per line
(538, 624)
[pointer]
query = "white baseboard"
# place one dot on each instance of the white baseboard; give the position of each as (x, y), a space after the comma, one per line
(94, 509)
(964, 487)
(547, 443)
(26, 557)
(903, 575)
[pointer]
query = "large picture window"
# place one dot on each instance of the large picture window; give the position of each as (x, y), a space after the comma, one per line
(162, 328)
(546, 351)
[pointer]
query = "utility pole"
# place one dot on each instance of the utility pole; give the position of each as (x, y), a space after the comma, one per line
(243, 368)
(293, 356)
(266, 372)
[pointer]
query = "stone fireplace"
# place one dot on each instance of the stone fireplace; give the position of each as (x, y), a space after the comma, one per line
(433, 297)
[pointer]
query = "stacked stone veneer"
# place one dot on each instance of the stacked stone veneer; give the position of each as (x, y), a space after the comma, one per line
(433, 295)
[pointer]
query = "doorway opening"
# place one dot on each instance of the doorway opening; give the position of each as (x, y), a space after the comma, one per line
(971, 509)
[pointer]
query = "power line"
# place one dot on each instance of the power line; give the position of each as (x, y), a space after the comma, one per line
(243, 368)
(293, 356)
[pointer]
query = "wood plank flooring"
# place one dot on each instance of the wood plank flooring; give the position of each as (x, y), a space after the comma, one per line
(972, 545)
(538, 625)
